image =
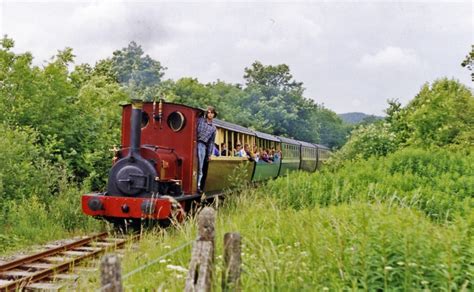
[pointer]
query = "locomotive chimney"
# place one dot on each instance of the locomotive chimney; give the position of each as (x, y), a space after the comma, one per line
(135, 128)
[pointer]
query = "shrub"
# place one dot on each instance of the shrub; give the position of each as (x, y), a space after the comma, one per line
(366, 141)
(437, 181)
(23, 169)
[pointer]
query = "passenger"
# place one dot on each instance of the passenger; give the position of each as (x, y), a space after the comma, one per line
(255, 153)
(224, 149)
(215, 152)
(271, 153)
(239, 151)
(276, 156)
(206, 135)
(248, 153)
(265, 157)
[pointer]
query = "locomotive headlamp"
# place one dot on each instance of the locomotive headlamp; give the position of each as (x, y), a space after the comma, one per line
(176, 121)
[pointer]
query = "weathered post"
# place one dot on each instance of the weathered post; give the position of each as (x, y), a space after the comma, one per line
(232, 262)
(111, 274)
(200, 268)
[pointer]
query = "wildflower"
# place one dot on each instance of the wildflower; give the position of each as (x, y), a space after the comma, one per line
(162, 261)
(424, 282)
(167, 246)
(325, 289)
(400, 263)
(177, 268)
(412, 264)
(388, 268)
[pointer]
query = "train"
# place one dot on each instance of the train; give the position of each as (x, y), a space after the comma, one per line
(154, 171)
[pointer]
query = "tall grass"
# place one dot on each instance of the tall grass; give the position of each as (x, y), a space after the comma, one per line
(358, 246)
(370, 246)
(31, 220)
(438, 182)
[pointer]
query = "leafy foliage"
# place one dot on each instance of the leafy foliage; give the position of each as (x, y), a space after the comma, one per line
(468, 62)
(436, 181)
(271, 102)
(440, 115)
(371, 140)
(74, 114)
(139, 74)
(23, 167)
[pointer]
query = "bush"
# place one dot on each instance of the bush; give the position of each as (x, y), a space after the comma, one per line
(23, 169)
(366, 141)
(438, 182)
(441, 114)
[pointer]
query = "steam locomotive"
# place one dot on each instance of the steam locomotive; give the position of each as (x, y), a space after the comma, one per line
(154, 172)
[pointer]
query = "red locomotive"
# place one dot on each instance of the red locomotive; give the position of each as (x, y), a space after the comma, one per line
(154, 174)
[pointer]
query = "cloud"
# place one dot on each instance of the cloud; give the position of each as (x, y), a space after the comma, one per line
(348, 54)
(390, 57)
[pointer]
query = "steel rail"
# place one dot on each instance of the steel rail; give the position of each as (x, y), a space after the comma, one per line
(36, 276)
(31, 258)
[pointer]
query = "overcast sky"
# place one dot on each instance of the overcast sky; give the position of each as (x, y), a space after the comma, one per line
(350, 55)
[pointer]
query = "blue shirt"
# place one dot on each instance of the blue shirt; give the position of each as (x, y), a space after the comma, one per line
(206, 133)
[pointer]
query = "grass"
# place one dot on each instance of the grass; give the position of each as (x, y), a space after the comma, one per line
(370, 246)
(438, 182)
(31, 221)
(401, 222)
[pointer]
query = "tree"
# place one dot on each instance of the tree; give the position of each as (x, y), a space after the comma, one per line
(74, 114)
(441, 114)
(468, 62)
(272, 78)
(276, 104)
(190, 92)
(140, 75)
(333, 131)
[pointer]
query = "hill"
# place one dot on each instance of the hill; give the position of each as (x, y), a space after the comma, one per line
(356, 117)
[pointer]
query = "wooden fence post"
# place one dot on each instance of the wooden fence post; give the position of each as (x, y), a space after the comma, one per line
(232, 262)
(200, 268)
(111, 274)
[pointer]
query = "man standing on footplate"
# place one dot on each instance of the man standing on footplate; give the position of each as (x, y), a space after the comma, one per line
(206, 135)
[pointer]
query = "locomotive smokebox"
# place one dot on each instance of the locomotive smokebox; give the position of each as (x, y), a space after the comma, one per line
(133, 175)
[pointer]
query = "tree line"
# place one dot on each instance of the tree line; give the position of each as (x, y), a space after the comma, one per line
(67, 116)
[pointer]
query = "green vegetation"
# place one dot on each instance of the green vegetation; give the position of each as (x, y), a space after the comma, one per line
(392, 210)
(370, 246)
(438, 182)
(59, 121)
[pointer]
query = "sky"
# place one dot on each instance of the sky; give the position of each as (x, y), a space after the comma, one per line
(352, 56)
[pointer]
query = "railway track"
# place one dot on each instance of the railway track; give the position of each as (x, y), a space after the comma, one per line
(35, 271)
